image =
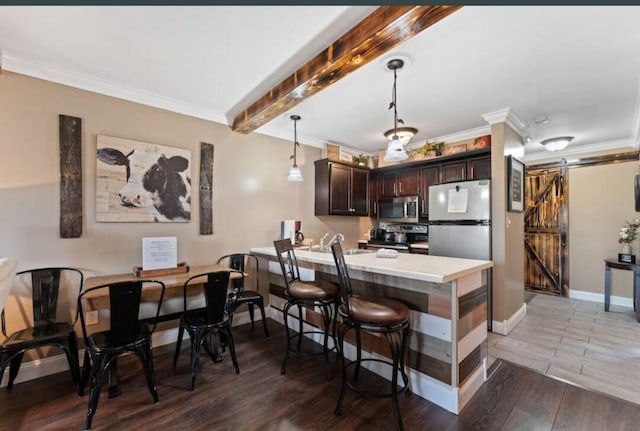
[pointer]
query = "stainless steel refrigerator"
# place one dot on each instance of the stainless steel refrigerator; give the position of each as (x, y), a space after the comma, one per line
(460, 223)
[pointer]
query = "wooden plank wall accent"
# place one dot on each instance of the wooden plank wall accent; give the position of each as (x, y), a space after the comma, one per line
(70, 131)
(426, 354)
(469, 364)
(429, 355)
(378, 33)
(472, 311)
(206, 189)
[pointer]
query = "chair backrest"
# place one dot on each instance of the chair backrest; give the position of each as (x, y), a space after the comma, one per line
(215, 293)
(45, 284)
(343, 275)
(288, 261)
(7, 274)
(246, 263)
(124, 307)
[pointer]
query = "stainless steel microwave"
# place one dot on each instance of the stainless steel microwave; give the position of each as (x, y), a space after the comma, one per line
(403, 209)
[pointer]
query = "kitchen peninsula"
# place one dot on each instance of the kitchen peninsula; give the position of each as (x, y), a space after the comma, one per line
(448, 302)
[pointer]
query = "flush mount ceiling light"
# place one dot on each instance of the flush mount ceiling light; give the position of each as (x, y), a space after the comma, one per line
(557, 144)
(294, 173)
(395, 149)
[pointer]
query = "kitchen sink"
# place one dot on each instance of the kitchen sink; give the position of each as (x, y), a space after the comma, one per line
(346, 252)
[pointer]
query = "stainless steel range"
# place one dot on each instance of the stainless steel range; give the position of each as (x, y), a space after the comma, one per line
(398, 236)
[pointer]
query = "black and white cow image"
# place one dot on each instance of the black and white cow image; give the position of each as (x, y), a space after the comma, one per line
(158, 183)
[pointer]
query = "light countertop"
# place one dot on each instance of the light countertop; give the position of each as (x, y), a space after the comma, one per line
(436, 269)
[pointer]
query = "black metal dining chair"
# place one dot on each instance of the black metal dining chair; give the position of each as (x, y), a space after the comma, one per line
(321, 295)
(126, 333)
(204, 325)
(248, 264)
(49, 327)
(385, 316)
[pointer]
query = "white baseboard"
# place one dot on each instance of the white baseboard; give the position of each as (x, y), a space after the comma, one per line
(505, 326)
(58, 363)
(622, 301)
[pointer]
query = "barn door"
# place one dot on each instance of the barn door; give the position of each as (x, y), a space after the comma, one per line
(545, 231)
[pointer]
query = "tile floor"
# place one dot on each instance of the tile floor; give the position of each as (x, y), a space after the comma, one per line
(576, 341)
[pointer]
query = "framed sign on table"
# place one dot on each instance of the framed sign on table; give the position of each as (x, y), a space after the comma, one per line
(515, 184)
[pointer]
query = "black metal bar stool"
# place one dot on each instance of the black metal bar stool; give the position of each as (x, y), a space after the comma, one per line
(312, 294)
(378, 315)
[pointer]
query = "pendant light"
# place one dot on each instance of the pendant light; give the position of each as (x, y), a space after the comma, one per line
(395, 149)
(294, 173)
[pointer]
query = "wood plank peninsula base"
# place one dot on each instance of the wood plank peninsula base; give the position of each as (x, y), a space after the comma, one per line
(448, 302)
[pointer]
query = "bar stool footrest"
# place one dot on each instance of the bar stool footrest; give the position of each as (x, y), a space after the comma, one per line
(295, 336)
(351, 385)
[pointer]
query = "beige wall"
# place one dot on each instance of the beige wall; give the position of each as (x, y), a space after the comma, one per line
(251, 194)
(507, 228)
(601, 199)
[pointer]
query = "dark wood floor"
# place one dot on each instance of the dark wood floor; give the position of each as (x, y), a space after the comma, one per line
(259, 398)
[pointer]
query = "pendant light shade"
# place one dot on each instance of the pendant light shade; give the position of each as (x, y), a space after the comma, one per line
(295, 175)
(395, 151)
(398, 136)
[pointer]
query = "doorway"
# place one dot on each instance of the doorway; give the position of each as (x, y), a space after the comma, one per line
(546, 223)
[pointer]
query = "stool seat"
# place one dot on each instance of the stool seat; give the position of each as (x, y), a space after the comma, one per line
(313, 290)
(376, 310)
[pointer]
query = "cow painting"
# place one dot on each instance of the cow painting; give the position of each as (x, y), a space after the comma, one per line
(137, 181)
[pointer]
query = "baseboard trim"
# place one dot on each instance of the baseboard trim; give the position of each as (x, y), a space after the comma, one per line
(58, 363)
(505, 326)
(599, 297)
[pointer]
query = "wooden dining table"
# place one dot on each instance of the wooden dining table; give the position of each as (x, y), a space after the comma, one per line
(174, 283)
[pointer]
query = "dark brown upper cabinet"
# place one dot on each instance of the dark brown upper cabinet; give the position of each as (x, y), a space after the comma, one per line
(341, 189)
(402, 183)
(479, 169)
(429, 176)
(402, 180)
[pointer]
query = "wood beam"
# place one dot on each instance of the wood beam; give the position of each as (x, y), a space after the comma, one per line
(378, 33)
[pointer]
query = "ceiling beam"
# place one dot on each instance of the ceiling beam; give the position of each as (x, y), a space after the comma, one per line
(378, 33)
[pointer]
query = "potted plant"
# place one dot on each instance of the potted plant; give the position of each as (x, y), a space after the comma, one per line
(429, 150)
(359, 159)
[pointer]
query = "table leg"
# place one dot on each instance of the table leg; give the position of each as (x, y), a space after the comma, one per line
(636, 292)
(607, 287)
(114, 389)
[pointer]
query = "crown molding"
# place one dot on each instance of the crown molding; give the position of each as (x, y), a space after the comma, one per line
(454, 137)
(89, 83)
(302, 139)
(608, 146)
(506, 115)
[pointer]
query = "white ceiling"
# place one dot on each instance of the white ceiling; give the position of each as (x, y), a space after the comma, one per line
(577, 66)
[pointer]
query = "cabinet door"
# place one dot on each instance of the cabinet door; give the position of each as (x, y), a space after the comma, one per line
(407, 183)
(359, 192)
(480, 168)
(454, 171)
(388, 186)
(428, 177)
(374, 192)
(339, 189)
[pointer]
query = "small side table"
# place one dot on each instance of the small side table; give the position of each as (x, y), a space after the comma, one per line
(613, 263)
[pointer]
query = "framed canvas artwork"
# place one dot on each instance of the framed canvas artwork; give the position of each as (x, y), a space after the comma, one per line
(515, 193)
(142, 182)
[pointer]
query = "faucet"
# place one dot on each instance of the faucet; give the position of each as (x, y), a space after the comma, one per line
(336, 237)
(322, 241)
